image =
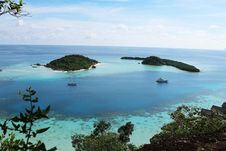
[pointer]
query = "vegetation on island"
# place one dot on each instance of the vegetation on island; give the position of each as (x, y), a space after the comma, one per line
(156, 61)
(190, 129)
(11, 7)
(101, 139)
(132, 58)
(23, 124)
(152, 60)
(72, 63)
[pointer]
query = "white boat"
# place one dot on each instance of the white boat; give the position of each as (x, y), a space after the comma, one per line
(71, 82)
(160, 80)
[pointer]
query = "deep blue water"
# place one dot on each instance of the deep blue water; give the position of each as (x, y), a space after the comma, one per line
(117, 87)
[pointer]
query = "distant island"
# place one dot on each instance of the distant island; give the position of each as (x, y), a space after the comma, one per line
(156, 61)
(72, 63)
(132, 58)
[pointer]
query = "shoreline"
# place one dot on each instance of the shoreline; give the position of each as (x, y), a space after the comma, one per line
(81, 70)
(68, 126)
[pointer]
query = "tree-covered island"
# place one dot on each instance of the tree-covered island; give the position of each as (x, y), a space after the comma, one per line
(72, 63)
(156, 61)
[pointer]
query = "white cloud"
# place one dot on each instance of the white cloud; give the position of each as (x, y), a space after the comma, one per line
(109, 25)
(122, 27)
(91, 11)
(215, 27)
(54, 10)
(159, 34)
(20, 22)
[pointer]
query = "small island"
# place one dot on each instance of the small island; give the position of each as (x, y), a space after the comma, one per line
(36, 65)
(156, 61)
(132, 58)
(72, 63)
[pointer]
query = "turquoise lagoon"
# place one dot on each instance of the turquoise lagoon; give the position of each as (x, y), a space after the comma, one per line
(117, 90)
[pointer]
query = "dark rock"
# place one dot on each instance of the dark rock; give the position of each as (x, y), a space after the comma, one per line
(224, 105)
(206, 112)
(217, 109)
(94, 67)
(214, 142)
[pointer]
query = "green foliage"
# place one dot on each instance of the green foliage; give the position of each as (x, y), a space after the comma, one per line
(153, 60)
(9, 143)
(156, 61)
(11, 7)
(189, 122)
(125, 131)
(100, 128)
(132, 58)
(71, 63)
(103, 140)
(24, 123)
(181, 65)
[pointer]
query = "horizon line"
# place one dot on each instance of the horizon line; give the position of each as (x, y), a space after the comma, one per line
(122, 46)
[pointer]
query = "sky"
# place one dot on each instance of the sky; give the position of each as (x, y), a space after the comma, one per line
(141, 23)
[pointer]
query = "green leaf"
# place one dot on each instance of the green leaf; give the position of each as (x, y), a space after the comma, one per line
(35, 100)
(15, 125)
(42, 130)
(26, 97)
(21, 2)
(47, 110)
(4, 127)
(22, 116)
(24, 128)
(41, 146)
(34, 134)
(15, 119)
(28, 111)
(32, 92)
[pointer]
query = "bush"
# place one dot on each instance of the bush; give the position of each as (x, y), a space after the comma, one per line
(23, 124)
(103, 140)
(101, 128)
(9, 143)
(189, 122)
(125, 131)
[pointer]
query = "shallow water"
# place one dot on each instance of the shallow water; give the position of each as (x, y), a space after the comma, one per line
(117, 90)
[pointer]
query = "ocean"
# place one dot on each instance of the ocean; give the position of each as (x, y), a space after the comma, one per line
(117, 90)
